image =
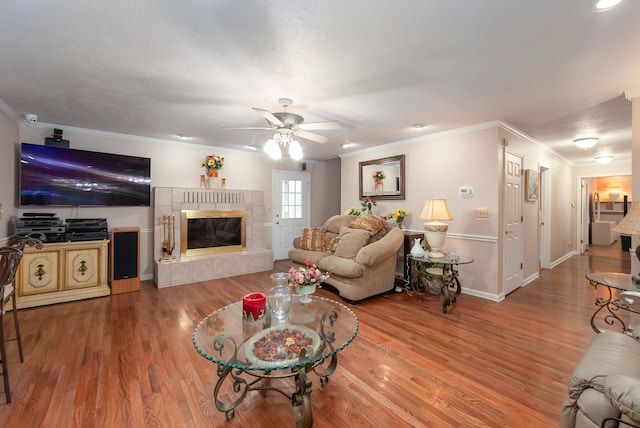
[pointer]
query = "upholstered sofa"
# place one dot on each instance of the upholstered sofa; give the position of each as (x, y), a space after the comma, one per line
(360, 254)
(605, 384)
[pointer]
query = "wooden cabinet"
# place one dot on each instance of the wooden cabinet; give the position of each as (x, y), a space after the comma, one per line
(62, 272)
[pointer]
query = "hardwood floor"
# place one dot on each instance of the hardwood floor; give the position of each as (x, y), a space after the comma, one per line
(128, 361)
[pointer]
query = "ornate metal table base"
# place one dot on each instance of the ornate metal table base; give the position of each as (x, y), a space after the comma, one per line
(300, 398)
(445, 281)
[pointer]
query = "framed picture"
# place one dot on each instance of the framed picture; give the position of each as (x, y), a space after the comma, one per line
(382, 178)
(531, 184)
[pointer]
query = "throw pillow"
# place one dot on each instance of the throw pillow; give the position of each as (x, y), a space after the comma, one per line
(350, 241)
(313, 239)
(369, 222)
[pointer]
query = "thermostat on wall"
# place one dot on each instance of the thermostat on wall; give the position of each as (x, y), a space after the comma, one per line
(465, 191)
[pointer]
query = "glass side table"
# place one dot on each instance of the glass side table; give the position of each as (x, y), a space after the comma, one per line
(425, 270)
(609, 306)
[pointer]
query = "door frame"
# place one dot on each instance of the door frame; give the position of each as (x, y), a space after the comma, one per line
(305, 220)
(544, 221)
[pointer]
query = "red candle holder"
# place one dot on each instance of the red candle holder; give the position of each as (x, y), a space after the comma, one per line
(254, 306)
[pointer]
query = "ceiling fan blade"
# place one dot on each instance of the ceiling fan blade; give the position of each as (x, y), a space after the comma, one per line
(267, 115)
(332, 124)
(247, 127)
(311, 136)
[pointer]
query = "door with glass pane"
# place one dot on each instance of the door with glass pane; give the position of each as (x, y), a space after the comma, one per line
(290, 210)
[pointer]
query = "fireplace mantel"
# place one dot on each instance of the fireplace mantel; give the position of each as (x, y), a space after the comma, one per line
(171, 201)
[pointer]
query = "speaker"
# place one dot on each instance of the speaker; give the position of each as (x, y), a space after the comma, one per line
(124, 260)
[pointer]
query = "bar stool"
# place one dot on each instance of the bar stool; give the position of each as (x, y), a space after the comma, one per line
(9, 261)
(10, 258)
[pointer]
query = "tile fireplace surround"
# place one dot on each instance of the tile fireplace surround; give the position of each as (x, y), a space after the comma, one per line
(184, 270)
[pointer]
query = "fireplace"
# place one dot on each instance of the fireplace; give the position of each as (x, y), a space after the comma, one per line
(206, 232)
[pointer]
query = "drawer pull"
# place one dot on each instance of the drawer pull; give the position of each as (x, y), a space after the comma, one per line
(40, 272)
(83, 267)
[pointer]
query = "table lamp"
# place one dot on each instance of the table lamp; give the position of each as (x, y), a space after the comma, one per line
(630, 225)
(435, 231)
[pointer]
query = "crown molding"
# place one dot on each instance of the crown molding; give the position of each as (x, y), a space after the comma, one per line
(632, 93)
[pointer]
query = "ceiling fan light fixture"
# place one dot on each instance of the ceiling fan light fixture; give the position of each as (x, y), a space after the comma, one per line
(604, 159)
(295, 150)
(272, 149)
(606, 4)
(585, 143)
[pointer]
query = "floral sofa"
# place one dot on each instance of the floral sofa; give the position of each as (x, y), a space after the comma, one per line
(360, 253)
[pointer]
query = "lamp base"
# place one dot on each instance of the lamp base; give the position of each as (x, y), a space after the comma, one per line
(436, 254)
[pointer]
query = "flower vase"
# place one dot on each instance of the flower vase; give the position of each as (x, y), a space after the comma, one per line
(306, 292)
(212, 172)
(379, 187)
(417, 250)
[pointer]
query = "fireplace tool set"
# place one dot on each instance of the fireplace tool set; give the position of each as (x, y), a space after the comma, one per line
(168, 238)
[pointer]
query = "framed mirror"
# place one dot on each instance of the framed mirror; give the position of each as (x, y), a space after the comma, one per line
(382, 178)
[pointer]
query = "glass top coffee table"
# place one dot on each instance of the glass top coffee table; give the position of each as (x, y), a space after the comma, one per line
(250, 354)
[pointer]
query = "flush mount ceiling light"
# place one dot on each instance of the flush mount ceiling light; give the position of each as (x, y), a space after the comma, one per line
(585, 143)
(418, 126)
(604, 159)
(606, 4)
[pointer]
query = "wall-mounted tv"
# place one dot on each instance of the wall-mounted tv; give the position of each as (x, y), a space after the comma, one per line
(59, 176)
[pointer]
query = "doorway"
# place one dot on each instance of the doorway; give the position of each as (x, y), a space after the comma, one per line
(290, 210)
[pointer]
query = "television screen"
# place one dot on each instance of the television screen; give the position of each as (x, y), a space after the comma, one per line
(67, 177)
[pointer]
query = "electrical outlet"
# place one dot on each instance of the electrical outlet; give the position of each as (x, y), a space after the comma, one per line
(482, 212)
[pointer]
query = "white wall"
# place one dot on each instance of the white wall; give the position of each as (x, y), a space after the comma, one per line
(173, 164)
(9, 137)
(437, 165)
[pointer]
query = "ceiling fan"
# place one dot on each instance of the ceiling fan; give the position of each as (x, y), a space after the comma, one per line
(287, 125)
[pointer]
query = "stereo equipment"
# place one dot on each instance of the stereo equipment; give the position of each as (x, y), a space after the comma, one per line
(124, 260)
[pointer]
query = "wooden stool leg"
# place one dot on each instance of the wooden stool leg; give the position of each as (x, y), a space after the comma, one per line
(5, 364)
(17, 325)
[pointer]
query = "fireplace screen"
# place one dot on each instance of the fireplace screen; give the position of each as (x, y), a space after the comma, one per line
(210, 232)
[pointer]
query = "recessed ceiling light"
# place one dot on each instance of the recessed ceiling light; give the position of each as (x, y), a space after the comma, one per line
(252, 147)
(606, 4)
(604, 159)
(182, 136)
(346, 145)
(418, 126)
(585, 143)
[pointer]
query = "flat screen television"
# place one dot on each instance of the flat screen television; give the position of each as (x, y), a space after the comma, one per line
(57, 176)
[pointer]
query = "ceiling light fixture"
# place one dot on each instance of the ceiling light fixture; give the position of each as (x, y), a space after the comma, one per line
(604, 159)
(606, 4)
(585, 143)
(346, 145)
(418, 126)
(284, 139)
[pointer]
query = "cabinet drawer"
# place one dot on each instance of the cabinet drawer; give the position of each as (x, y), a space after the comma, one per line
(38, 273)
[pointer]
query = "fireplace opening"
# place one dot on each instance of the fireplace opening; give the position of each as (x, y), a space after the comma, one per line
(211, 231)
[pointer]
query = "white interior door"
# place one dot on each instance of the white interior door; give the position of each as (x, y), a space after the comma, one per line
(290, 210)
(512, 255)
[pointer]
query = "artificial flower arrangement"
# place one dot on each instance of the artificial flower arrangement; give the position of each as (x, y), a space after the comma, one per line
(213, 162)
(306, 276)
(399, 215)
(368, 204)
(353, 211)
(379, 175)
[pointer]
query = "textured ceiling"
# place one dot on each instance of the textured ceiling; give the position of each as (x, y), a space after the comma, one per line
(556, 70)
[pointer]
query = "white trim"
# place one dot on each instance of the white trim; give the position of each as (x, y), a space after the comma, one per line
(462, 236)
(4, 107)
(563, 258)
(483, 295)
